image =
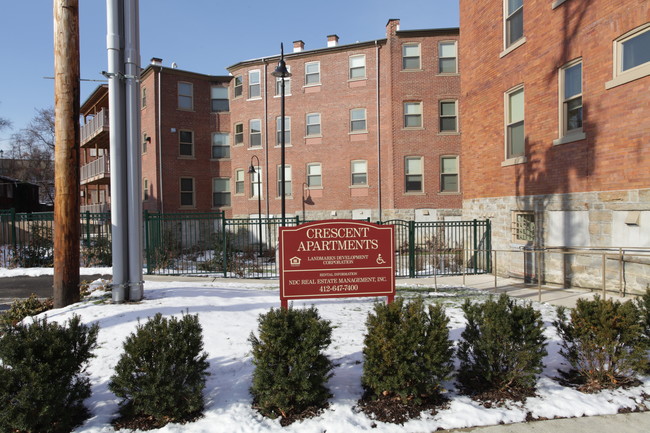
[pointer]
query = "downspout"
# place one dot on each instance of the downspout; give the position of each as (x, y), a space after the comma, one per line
(266, 136)
(378, 133)
(160, 142)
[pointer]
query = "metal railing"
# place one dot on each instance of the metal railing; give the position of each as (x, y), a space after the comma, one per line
(96, 125)
(96, 169)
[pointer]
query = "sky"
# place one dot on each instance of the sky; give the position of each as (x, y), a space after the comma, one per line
(203, 36)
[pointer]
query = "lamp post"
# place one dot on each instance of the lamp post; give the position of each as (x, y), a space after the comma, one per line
(306, 200)
(252, 170)
(282, 72)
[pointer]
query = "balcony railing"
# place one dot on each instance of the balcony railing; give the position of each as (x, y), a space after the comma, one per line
(96, 170)
(95, 208)
(94, 127)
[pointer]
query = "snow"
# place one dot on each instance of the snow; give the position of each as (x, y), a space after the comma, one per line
(228, 312)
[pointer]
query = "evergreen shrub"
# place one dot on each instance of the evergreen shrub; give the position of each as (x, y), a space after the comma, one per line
(162, 372)
(22, 308)
(501, 349)
(407, 351)
(42, 385)
(604, 342)
(291, 371)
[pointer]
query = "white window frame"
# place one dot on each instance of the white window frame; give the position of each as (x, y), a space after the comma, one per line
(509, 124)
(145, 189)
(312, 125)
(190, 143)
(412, 115)
(238, 86)
(358, 120)
(619, 75)
(287, 180)
(444, 174)
(314, 171)
(408, 174)
(287, 85)
(254, 84)
(182, 191)
(309, 75)
(508, 15)
(216, 96)
(566, 135)
(405, 57)
(441, 58)
(357, 67)
(238, 135)
(287, 130)
(240, 179)
(256, 178)
(442, 116)
(221, 192)
(254, 136)
(358, 167)
(143, 100)
(222, 145)
(185, 98)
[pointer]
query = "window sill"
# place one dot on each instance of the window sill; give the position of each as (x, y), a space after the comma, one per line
(557, 3)
(570, 138)
(449, 193)
(350, 80)
(513, 47)
(448, 133)
(359, 186)
(280, 96)
(257, 98)
(413, 128)
(413, 70)
(414, 193)
(186, 157)
(635, 74)
(365, 131)
(514, 161)
(448, 74)
(253, 147)
(312, 85)
(220, 159)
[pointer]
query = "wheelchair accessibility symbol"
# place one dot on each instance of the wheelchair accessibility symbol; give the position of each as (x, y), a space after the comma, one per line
(380, 260)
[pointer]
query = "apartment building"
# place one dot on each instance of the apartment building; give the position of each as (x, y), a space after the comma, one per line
(555, 106)
(371, 129)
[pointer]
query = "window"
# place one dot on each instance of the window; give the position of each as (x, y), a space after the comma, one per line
(219, 98)
(255, 133)
(254, 86)
(239, 134)
(313, 124)
(145, 189)
(358, 120)
(256, 182)
(143, 101)
(449, 174)
(239, 181)
(185, 96)
(514, 21)
(287, 130)
(359, 170)
(631, 56)
(447, 57)
(220, 192)
(571, 98)
(185, 143)
(314, 175)
(411, 56)
(515, 138)
(287, 84)
(412, 115)
(448, 116)
(145, 141)
(287, 180)
(220, 145)
(523, 227)
(312, 73)
(239, 86)
(187, 191)
(357, 67)
(413, 174)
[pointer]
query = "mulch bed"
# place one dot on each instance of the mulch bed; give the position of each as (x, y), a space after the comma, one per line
(394, 410)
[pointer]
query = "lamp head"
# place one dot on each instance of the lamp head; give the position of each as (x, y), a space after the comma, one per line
(251, 169)
(281, 70)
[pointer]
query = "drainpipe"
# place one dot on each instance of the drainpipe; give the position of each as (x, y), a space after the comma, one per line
(160, 142)
(378, 132)
(266, 135)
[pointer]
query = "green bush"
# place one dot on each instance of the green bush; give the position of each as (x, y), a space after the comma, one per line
(291, 371)
(42, 388)
(643, 302)
(22, 308)
(39, 249)
(501, 349)
(603, 342)
(162, 372)
(407, 351)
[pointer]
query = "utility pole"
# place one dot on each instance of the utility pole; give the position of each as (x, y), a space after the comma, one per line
(66, 152)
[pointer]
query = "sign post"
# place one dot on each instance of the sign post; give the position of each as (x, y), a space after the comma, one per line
(337, 259)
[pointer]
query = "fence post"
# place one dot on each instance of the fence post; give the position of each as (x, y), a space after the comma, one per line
(475, 226)
(411, 249)
(13, 228)
(87, 229)
(224, 240)
(488, 245)
(147, 250)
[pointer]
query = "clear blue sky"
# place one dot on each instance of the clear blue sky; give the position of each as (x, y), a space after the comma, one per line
(203, 36)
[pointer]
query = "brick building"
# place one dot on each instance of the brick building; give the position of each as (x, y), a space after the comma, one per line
(372, 129)
(555, 105)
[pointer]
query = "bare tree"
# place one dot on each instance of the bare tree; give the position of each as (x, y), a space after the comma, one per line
(32, 154)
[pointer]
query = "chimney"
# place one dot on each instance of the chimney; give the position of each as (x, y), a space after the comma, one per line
(392, 27)
(298, 46)
(332, 40)
(155, 61)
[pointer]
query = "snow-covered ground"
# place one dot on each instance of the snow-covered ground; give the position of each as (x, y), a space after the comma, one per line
(229, 312)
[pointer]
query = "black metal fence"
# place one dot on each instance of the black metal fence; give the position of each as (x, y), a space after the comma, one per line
(210, 244)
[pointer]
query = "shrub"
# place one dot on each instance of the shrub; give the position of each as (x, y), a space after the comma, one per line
(97, 252)
(407, 351)
(604, 343)
(22, 308)
(38, 250)
(643, 303)
(291, 371)
(501, 349)
(41, 384)
(162, 372)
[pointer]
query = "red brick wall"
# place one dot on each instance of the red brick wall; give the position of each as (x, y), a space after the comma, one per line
(612, 156)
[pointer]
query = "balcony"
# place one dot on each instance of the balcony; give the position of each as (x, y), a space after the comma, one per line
(95, 208)
(95, 132)
(97, 172)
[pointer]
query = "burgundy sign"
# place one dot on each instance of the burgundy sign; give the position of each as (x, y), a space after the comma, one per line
(335, 259)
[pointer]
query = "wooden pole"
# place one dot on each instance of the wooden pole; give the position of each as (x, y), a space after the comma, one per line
(66, 152)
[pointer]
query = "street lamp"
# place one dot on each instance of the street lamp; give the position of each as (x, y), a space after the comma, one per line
(252, 170)
(282, 72)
